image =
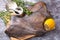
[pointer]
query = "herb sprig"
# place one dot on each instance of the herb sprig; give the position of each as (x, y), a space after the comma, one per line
(6, 16)
(22, 4)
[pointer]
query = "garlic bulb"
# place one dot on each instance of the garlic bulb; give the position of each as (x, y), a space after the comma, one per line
(17, 11)
(11, 6)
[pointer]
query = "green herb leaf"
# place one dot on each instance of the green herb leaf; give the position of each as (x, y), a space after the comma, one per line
(6, 16)
(22, 4)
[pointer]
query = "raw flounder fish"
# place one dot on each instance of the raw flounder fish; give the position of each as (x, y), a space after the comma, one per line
(33, 25)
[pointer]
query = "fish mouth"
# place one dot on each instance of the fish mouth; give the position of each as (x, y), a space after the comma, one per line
(6, 31)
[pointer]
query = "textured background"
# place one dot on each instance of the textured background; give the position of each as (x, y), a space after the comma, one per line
(53, 6)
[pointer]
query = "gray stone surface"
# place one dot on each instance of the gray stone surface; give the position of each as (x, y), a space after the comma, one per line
(54, 7)
(3, 36)
(2, 5)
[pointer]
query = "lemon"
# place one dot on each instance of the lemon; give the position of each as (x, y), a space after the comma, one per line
(49, 24)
